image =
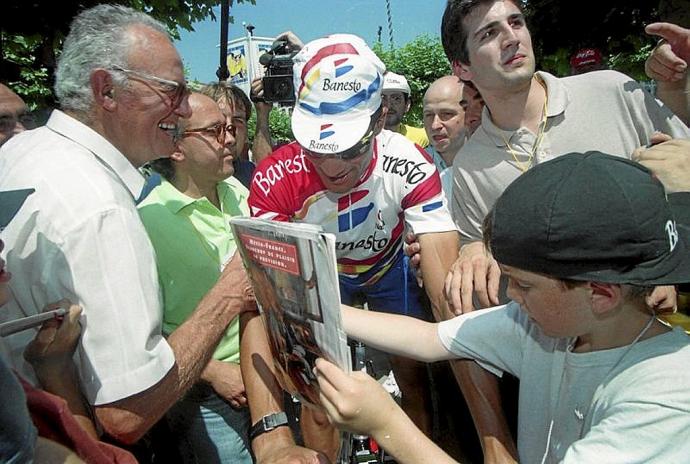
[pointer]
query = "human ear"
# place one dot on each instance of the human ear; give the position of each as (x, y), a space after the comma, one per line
(605, 297)
(178, 154)
(461, 70)
(103, 89)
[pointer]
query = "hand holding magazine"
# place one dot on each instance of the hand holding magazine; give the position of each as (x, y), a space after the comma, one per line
(295, 278)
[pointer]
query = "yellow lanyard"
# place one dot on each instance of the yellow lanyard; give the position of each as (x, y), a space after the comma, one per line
(540, 134)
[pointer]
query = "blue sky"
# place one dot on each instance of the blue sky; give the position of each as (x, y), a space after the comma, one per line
(310, 19)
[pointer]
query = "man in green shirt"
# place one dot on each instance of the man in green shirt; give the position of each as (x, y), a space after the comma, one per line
(186, 217)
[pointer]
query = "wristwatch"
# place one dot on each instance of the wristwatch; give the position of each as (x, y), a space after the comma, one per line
(268, 423)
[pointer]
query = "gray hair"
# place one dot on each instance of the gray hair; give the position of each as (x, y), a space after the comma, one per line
(98, 38)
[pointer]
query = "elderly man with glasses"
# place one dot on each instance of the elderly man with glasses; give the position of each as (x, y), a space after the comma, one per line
(363, 184)
(122, 92)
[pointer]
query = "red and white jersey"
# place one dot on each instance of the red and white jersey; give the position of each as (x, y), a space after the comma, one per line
(400, 185)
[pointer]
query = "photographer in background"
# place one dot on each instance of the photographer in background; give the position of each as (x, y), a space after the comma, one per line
(284, 48)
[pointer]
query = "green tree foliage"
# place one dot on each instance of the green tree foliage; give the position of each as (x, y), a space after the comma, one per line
(421, 61)
(279, 122)
(31, 34)
(31, 78)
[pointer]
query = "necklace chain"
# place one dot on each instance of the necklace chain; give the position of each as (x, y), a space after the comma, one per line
(578, 413)
(540, 133)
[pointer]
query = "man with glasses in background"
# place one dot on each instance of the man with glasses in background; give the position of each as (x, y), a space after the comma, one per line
(120, 83)
(361, 183)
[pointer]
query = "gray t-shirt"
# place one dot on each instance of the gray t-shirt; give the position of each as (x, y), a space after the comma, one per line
(623, 405)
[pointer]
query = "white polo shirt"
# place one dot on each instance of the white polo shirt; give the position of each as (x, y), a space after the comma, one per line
(79, 236)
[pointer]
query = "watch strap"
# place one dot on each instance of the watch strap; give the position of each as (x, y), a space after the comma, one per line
(268, 423)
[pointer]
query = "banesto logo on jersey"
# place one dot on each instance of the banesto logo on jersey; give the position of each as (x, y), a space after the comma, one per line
(352, 217)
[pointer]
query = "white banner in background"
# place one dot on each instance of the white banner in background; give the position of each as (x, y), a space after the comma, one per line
(243, 60)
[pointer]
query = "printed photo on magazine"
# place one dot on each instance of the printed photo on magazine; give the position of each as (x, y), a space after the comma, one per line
(293, 271)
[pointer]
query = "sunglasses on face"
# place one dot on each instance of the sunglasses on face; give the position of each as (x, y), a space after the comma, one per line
(217, 130)
(361, 148)
(174, 91)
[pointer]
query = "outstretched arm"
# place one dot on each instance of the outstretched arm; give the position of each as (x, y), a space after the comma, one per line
(395, 334)
(357, 403)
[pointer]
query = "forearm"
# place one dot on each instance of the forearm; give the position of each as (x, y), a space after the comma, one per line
(193, 344)
(439, 252)
(318, 433)
(209, 373)
(407, 444)
(395, 334)
(264, 393)
(262, 145)
(483, 397)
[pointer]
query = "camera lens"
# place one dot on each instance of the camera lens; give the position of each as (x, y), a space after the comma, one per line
(283, 88)
(278, 89)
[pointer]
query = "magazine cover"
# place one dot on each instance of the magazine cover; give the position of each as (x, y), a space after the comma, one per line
(293, 271)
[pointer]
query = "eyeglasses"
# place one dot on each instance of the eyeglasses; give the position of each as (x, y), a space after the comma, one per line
(217, 130)
(173, 90)
(360, 148)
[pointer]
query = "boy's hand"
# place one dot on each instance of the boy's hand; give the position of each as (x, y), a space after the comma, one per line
(354, 402)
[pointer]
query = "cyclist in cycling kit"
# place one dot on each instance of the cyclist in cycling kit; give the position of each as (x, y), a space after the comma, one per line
(362, 184)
